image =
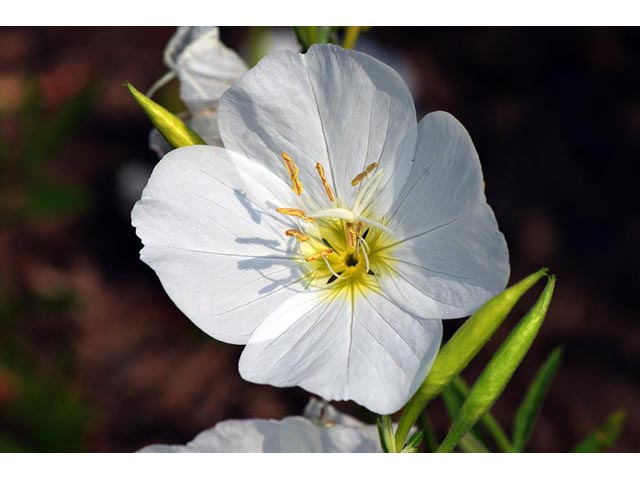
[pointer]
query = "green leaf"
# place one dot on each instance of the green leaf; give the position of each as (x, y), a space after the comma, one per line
(456, 354)
(488, 421)
(171, 127)
(499, 370)
(603, 437)
(430, 440)
(529, 409)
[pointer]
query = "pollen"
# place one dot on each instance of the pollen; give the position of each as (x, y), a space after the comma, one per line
(364, 174)
(295, 212)
(318, 255)
(353, 232)
(326, 185)
(293, 171)
(301, 237)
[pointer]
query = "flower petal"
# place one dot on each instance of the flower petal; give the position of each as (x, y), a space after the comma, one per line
(205, 66)
(366, 349)
(291, 434)
(450, 257)
(338, 107)
(208, 222)
(204, 124)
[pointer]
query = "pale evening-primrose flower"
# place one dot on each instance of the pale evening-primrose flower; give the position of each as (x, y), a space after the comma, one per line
(322, 429)
(332, 234)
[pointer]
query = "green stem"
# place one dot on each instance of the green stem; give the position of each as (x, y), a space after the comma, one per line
(351, 37)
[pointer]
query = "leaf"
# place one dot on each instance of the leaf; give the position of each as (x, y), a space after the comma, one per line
(529, 409)
(500, 369)
(456, 354)
(604, 436)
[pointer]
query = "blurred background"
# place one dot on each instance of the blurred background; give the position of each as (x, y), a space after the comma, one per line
(95, 357)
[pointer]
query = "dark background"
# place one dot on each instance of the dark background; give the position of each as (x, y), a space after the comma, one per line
(93, 354)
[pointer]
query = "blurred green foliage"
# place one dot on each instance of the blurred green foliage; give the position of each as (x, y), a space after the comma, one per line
(28, 190)
(40, 410)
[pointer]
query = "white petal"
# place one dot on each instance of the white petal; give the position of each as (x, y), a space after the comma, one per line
(208, 222)
(450, 257)
(369, 351)
(338, 107)
(323, 412)
(204, 123)
(292, 434)
(205, 66)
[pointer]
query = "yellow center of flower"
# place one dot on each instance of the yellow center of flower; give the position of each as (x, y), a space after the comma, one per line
(339, 249)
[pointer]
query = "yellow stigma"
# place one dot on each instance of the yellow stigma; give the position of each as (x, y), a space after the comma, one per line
(301, 237)
(327, 187)
(293, 170)
(318, 255)
(295, 212)
(364, 174)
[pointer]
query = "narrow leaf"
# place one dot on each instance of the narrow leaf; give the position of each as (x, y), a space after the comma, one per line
(603, 437)
(529, 409)
(456, 354)
(171, 127)
(500, 369)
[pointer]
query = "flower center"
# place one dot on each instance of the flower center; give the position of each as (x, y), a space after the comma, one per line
(339, 248)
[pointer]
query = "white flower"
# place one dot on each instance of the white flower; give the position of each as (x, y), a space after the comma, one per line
(322, 430)
(205, 68)
(335, 261)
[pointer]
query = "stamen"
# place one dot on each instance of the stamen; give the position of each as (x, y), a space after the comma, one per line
(301, 237)
(333, 272)
(295, 212)
(318, 255)
(353, 230)
(293, 170)
(366, 257)
(352, 237)
(327, 187)
(364, 174)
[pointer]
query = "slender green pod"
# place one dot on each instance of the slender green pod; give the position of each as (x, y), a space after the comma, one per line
(500, 369)
(171, 127)
(456, 354)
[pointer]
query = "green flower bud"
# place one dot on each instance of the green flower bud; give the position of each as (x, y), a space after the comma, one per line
(171, 127)
(456, 354)
(498, 372)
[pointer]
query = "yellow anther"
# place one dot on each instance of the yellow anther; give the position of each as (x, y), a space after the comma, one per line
(295, 212)
(293, 170)
(327, 187)
(297, 234)
(317, 256)
(364, 174)
(353, 231)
